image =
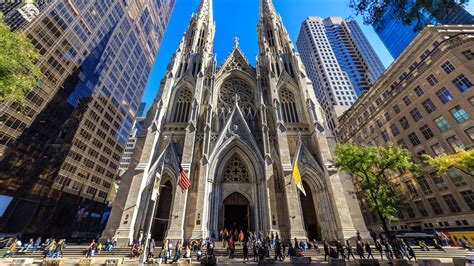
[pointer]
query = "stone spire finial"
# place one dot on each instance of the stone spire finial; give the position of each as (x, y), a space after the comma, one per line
(236, 42)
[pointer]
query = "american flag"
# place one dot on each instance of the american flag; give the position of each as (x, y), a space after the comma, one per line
(183, 180)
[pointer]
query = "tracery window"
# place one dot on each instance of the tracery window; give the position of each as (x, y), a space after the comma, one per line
(182, 106)
(232, 87)
(289, 111)
(235, 171)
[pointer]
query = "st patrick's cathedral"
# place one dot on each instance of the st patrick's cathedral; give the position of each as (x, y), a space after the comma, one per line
(235, 129)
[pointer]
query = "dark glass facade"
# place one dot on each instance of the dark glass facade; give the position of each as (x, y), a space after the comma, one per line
(60, 153)
(396, 36)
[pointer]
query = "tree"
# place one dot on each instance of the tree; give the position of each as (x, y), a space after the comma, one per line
(462, 160)
(371, 165)
(18, 69)
(421, 12)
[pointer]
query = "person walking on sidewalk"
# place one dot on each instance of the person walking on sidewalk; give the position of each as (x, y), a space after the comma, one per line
(326, 249)
(349, 250)
(246, 252)
(368, 249)
(360, 249)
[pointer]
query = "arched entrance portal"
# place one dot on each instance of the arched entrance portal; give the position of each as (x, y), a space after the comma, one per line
(236, 212)
(161, 221)
(308, 209)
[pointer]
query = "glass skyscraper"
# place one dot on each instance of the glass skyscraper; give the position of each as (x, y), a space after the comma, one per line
(396, 36)
(339, 60)
(60, 153)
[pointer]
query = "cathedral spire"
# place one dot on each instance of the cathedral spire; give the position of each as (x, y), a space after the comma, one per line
(266, 8)
(205, 10)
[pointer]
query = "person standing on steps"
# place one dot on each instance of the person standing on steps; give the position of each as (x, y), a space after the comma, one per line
(326, 249)
(278, 253)
(246, 252)
(349, 250)
(360, 249)
(368, 249)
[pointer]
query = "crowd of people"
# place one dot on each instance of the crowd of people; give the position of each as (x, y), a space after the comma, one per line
(50, 248)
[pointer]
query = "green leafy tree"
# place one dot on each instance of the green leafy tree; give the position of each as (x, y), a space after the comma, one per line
(420, 12)
(462, 160)
(371, 165)
(18, 69)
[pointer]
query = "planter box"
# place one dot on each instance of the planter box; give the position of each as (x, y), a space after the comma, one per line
(53, 262)
(337, 262)
(300, 260)
(429, 262)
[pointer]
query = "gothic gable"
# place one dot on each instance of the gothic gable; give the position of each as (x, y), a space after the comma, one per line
(236, 129)
(168, 157)
(236, 60)
(307, 160)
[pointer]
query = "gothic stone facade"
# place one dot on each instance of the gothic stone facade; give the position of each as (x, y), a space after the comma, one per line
(235, 129)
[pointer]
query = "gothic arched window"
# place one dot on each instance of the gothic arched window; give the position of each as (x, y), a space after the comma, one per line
(235, 171)
(232, 87)
(288, 106)
(182, 106)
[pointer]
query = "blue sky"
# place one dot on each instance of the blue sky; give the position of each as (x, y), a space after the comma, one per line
(239, 18)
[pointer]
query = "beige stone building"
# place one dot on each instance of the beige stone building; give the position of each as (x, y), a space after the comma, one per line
(235, 129)
(424, 102)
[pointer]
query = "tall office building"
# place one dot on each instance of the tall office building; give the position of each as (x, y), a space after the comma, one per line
(425, 103)
(132, 139)
(396, 36)
(60, 153)
(339, 60)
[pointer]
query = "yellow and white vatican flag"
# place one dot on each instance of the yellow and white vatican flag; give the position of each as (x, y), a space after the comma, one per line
(296, 170)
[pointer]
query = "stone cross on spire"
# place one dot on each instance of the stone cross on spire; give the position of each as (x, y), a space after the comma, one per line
(236, 42)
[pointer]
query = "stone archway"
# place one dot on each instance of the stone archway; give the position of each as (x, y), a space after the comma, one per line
(310, 220)
(236, 212)
(162, 212)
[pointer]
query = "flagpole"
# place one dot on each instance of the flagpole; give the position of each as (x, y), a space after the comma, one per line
(150, 222)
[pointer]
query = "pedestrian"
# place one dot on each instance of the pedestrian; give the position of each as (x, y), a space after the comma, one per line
(255, 250)
(411, 253)
(302, 246)
(36, 245)
(164, 253)
(373, 235)
(349, 250)
(27, 246)
(379, 247)
(326, 249)
(187, 252)
(241, 237)
(246, 252)
(178, 251)
(11, 250)
(49, 251)
(114, 240)
(272, 237)
(359, 238)
(291, 251)
(340, 250)
(139, 239)
(58, 251)
(360, 249)
(278, 253)
(368, 249)
(170, 248)
(423, 245)
(151, 249)
(388, 250)
(91, 249)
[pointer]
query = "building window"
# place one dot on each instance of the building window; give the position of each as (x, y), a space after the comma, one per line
(385, 136)
(404, 123)
(452, 203)
(470, 132)
(395, 130)
(427, 133)
(411, 188)
(455, 143)
(423, 183)
(406, 100)
(409, 210)
(290, 113)
(462, 83)
(419, 91)
(397, 109)
(182, 106)
(459, 114)
(437, 149)
(444, 95)
(429, 106)
(448, 67)
(416, 115)
(387, 116)
(469, 54)
(435, 206)
(469, 198)
(421, 208)
(414, 139)
(432, 80)
(438, 181)
(456, 177)
(379, 123)
(442, 124)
